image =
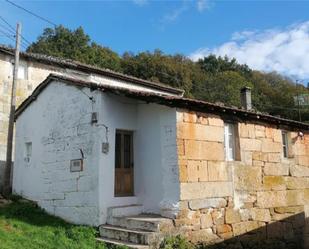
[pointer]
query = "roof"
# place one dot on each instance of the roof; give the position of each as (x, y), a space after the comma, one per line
(71, 64)
(230, 113)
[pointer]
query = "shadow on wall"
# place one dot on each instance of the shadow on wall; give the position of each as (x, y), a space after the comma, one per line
(289, 233)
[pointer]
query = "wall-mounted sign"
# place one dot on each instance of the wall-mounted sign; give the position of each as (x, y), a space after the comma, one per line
(76, 165)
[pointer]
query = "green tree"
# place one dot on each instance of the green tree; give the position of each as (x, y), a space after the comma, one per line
(223, 87)
(175, 70)
(75, 45)
(212, 78)
(213, 65)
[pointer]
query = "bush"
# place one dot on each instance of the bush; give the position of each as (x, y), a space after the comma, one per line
(177, 242)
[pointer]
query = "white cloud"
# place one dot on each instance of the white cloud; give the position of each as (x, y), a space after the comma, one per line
(202, 5)
(140, 2)
(283, 50)
(174, 14)
(179, 11)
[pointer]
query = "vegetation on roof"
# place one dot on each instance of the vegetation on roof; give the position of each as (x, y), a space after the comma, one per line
(213, 79)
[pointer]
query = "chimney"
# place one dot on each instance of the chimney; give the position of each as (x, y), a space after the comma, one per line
(245, 98)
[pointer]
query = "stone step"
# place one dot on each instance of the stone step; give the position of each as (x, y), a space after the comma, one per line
(121, 211)
(127, 235)
(122, 243)
(144, 222)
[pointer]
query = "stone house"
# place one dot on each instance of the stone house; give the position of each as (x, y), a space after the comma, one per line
(34, 68)
(143, 165)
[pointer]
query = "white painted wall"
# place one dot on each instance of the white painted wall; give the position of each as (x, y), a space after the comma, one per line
(155, 154)
(157, 157)
(58, 125)
(36, 73)
(123, 84)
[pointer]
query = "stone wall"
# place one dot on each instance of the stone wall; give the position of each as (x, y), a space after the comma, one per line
(262, 196)
(35, 74)
(59, 135)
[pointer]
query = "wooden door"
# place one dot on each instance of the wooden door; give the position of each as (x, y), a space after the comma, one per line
(124, 177)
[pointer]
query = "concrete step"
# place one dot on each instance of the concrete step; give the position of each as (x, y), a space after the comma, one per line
(122, 243)
(144, 222)
(122, 211)
(127, 235)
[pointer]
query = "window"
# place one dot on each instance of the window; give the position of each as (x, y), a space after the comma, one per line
(5, 87)
(285, 144)
(124, 149)
(22, 73)
(28, 151)
(229, 141)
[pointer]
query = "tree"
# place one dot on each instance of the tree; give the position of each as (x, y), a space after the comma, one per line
(213, 65)
(212, 78)
(223, 87)
(175, 70)
(75, 45)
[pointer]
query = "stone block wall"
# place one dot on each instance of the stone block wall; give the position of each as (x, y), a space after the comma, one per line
(36, 73)
(59, 135)
(262, 195)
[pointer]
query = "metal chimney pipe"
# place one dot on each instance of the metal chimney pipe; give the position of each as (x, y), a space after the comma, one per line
(245, 98)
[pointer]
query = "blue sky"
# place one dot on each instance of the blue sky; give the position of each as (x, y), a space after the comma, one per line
(268, 35)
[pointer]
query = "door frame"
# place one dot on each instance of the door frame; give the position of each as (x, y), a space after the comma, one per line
(122, 162)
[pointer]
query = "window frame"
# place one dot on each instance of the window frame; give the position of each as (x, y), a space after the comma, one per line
(122, 134)
(285, 144)
(28, 152)
(230, 132)
(22, 66)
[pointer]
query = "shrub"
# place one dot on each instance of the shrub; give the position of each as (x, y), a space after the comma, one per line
(177, 242)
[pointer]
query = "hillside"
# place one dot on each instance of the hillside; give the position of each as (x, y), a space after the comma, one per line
(212, 78)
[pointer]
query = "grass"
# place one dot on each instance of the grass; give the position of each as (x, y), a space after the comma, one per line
(24, 225)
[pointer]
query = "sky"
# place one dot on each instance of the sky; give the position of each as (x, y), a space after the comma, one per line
(266, 35)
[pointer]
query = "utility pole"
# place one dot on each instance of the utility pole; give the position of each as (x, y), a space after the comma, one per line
(298, 101)
(7, 188)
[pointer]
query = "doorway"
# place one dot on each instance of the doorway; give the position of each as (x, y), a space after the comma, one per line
(124, 165)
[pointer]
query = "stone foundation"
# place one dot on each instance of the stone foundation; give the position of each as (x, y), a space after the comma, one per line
(261, 197)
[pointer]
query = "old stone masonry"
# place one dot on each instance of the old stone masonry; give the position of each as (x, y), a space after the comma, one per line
(262, 196)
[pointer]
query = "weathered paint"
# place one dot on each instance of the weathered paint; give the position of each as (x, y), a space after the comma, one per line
(36, 73)
(62, 128)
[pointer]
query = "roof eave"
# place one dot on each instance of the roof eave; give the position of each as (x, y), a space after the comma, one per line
(171, 101)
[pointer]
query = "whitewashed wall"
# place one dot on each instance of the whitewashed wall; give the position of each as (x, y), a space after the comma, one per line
(155, 167)
(36, 73)
(157, 158)
(58, 125)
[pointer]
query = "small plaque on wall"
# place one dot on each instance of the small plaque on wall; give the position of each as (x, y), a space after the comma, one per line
(76, 165)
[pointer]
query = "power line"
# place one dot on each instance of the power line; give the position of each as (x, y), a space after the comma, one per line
(11, 37)
(31, 13)
(7, 29)
(12, 30)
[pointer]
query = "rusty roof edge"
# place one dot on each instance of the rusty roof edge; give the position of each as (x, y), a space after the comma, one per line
(171, 101)
(89, 68)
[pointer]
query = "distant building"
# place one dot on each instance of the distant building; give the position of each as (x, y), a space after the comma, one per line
(34, 68)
